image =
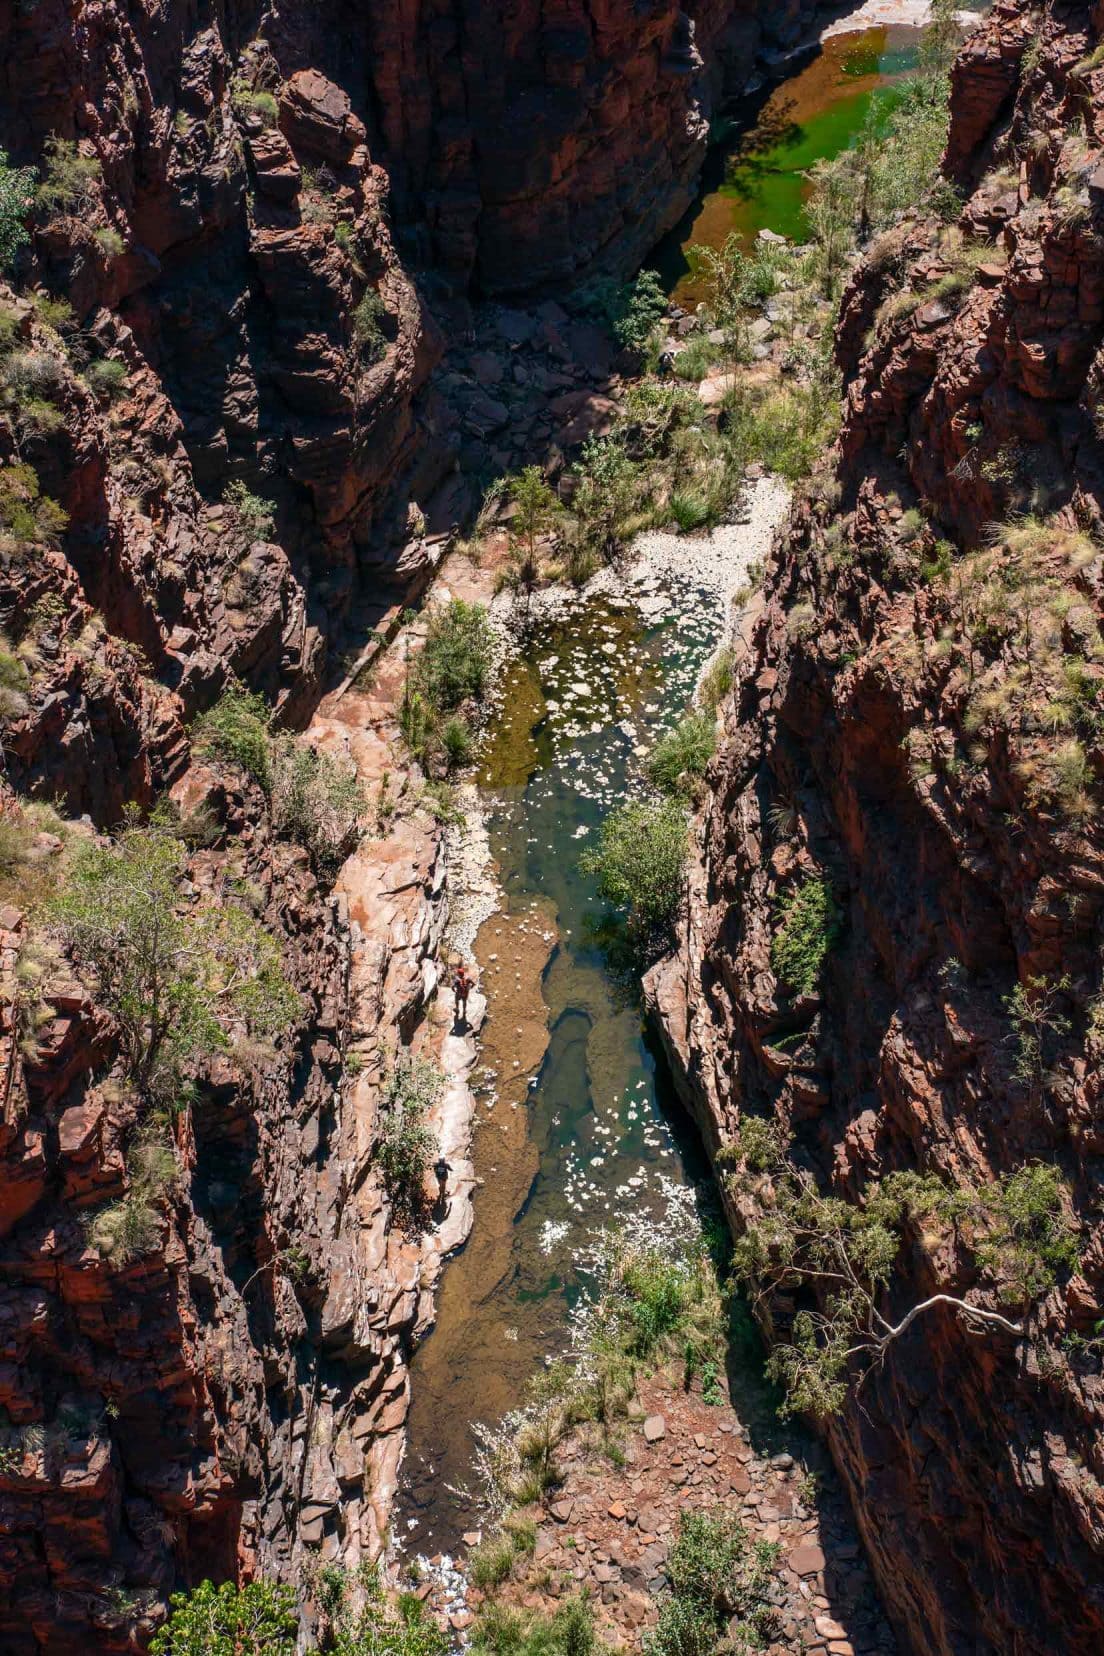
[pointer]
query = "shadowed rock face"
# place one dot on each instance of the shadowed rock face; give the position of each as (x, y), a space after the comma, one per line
(857, 747)
(273, 201)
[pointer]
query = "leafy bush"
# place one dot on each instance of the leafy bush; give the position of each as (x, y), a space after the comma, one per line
(605, 496)
(17, 190)
(316, 800)
(236, 729)
(407, 1146)
(810, 925)
(68, 178)
(25, 514)
(456, 741)
(640, 309)
(678, 762)
(256, 515)
(259, 1619)
(14, 680)
(640, 861)
(170, 978)
(107, 377)
(491, 1563)
(714, 1573)
(367, 329)
(109, 241)
(456, 659)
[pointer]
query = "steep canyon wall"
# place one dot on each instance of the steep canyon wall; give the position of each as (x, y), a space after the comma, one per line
(903, 728)
(270, 203)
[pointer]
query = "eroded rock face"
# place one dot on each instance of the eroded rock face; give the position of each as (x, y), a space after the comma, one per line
(866, 746)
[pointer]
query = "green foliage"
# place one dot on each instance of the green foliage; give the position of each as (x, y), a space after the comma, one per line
(407, 1145)
(643, 304)
(26, 514)
(259, 1619)
(640, 861)
(688, 510)
(1034, 1009)
(456, 741)
(109, 241)
(172, 978)
(256, 515)
(130, 1228)
(536, 510)
(106, 377)
(570, 1631)
(68, 178)
(605, 496)
(17, 190)
(383, 1628)
(716, 680)
(714, 1573)
(451, 670)
(490, 1564)
(786, 429)
(236, 729)
(841, 1255)
(678, 761)
(456, 660)
(367, 325)
(1031, 1239)
(317, 800)
(810, 926)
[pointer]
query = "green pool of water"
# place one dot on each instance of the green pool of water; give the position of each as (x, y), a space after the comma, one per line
(756, 181)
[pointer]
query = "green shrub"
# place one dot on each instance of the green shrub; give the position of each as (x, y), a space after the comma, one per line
(260, 1619)
(68, 178)
(316, 800)
(407, 1146)
(641, 307)
(456, 741)
(128, 1229)
(171, 978)
(606, 495)
(714, 1573)
(256, 515)
(678, 762)
(716, 680)
(491, 1563)
(1031, 1239)
(236, 729)
(367, 325)
(14, 680)
(109, 241)
(26, 514)
(17, 192)
(810, 925)
(106, 377)
(689, 511)
(640, 861)
(456, 659)
(570, 1631)
(695, 359)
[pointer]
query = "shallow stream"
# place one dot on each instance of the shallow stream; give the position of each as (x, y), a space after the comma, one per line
(577, 1121)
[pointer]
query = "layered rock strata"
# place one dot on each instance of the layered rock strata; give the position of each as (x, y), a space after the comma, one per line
(915, 722)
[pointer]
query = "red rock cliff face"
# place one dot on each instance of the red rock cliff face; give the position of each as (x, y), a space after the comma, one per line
(894, 733)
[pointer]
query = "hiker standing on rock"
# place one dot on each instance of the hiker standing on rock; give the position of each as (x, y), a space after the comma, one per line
(462, 983)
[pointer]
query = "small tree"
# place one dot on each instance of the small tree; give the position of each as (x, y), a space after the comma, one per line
(803, 1242)
(236, 730)
(259, 1619)
(317, 800)
(170, 976)
(17, 189)
(256, 515)
(69, 178)
(640, 861)
(537, 507)
(605, 493)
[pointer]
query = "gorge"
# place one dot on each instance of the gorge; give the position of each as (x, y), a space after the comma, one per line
(291, 298)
